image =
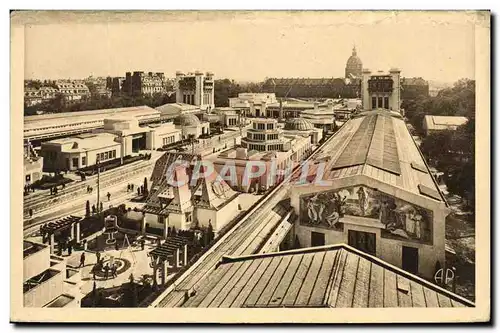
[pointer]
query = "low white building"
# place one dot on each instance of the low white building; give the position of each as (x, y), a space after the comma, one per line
(191, 125)
(323, 118)
(162, 135)
(43, 278)
(80, 151)
(432, 124)
(119, 137)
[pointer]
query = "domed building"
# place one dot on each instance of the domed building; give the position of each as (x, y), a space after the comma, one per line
(354, 66)
(191, 125)
(303, 127)
(298, 124)
(187, 120)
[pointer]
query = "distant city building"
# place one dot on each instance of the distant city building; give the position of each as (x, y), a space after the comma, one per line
(412, 88)
(432, 124)
(327, 87)
(141, 83)
(72, 91)
(195, 89)
(115, 84)
(98, 86)
(312, 87)
(381, 90)
(354, 66)
(33, 96)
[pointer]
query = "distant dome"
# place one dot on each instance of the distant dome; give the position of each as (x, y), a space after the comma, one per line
(187, 120)
(298, 124)
(354, 65)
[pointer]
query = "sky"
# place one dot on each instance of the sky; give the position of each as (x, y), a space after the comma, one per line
(250, 46)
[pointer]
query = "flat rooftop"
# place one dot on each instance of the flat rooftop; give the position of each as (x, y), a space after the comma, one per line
(337, 276)
(66, 118)
(30, 248)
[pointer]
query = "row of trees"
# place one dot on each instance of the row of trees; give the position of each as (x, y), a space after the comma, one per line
(459, 100)
(452, 152)
(225, 89)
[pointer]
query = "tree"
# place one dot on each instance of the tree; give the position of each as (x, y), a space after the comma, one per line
(87, 209)
(458, 100)
(145, 186)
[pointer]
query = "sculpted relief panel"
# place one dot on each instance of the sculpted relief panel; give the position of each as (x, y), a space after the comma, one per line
(402, 220)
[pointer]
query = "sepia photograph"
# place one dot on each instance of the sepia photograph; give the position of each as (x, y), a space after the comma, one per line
(250, 166)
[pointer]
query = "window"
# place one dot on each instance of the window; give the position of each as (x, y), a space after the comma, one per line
(75, 162)
(374, 102)
(386, 103)
(380, 102)
(269, 126)
(84, 160)
(106, 155)
(317, 238)
(364, 241)
(410, 259)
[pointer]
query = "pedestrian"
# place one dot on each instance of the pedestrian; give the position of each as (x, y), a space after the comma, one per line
(70, 247)
(31, 213)
(131, 187)
(98, 255)
(109, 196)
(106, 270)
(63, 186)
(138, 191)
(88, 188)
(82, 260)
(128, 188)
(94, 270)
(142, 244)
(116, 246)
(51, 191)
(93, 209)
(101, 208)
(113, 271)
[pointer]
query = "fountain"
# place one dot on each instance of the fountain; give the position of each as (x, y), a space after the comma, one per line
(110, 228)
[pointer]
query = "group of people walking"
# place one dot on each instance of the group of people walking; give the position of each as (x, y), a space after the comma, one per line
(140, 189)
(110, 271)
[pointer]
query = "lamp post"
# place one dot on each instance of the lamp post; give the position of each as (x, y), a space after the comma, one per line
(98, 161)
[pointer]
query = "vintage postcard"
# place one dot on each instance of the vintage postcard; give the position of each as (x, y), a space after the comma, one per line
(250, 166)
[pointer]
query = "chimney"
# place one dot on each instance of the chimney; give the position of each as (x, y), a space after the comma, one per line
(281, 110)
